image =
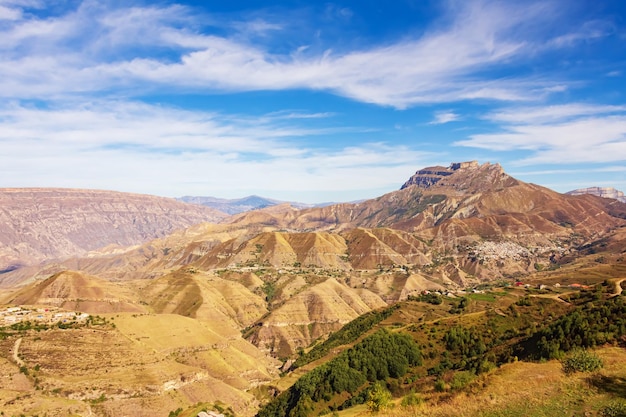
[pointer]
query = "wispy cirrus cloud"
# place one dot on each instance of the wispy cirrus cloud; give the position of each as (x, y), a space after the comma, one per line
(138, 47)
(561, 134)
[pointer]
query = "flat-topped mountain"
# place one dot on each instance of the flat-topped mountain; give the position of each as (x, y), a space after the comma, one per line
(37, 224)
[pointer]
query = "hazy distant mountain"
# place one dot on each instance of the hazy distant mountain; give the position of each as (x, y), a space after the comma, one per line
(606, 192)
(37, 224)
(238, 205)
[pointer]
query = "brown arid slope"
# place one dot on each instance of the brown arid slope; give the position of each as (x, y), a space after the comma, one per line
(78, 291)
(205, 297)
(38, 224)
(133, 365)
(143, 359)
(313, 312)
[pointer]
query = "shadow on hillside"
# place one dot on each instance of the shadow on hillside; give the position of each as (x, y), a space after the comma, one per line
(611, 384)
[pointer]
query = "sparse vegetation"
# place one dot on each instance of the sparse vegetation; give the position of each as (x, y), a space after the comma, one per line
(581, 360)
(431, 298)
(175, 413)
(411, 400)
(269, 289)
(615, 409)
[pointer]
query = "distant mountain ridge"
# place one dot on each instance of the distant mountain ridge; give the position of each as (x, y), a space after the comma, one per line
(239, 205)
(605, 192)
(38, 224)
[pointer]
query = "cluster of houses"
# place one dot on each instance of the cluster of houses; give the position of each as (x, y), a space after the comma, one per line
(209, 414)
(557, 285)
(12, 315)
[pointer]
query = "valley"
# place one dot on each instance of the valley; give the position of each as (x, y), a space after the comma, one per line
(270, 312)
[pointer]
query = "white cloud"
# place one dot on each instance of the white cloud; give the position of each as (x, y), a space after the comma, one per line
(573, 133)
(142, 148)
(8, 13)
(549, 114)
(443, 117)
(95, 49)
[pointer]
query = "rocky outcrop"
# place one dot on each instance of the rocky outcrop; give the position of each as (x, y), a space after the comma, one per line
(605, 192)
(38, 224)
(427, 177)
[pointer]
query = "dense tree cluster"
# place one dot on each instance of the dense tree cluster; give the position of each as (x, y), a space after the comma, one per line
(378, 357)
(590, 325)
(348, 334)
(466, 350)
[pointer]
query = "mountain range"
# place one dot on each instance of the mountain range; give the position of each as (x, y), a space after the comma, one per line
(239, 205)
(37, 224)
(250, 292)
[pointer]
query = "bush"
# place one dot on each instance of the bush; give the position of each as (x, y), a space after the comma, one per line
(461, 379)
(581, 360)
(411, 400)
(175, 413)
(616, 409)
(380, 398)
(440, 385)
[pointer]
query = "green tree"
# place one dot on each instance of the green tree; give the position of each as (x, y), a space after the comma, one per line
(379, 398)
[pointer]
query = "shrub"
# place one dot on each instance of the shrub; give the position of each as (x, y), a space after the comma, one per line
(411, 400)
(380, 398)
(616, 409)
(581, 360)
(175, 413)
(461, 379)
(440, 385)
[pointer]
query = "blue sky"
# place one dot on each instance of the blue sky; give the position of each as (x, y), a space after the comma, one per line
(308, 101)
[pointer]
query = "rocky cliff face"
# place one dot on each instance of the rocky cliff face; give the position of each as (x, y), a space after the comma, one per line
(42, 223)
(427, 177)
(605, 192)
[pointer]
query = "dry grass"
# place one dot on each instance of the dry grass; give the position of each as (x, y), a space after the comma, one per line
(525, 389)
(147, 365)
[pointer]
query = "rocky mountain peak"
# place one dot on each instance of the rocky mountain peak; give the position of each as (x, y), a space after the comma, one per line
(458, 175)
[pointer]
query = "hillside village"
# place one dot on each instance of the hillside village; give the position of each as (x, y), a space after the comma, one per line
(45, 315)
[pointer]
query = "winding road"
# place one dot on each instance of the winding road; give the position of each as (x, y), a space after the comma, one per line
(16, 352)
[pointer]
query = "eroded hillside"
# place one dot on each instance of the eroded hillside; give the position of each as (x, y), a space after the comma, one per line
(38, 224)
